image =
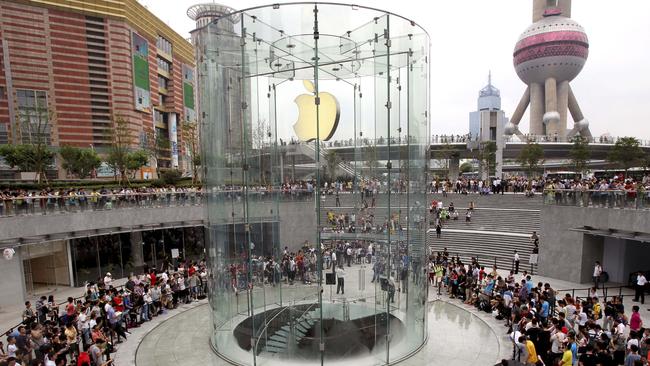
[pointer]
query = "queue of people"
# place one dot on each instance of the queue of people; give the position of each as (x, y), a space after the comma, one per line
(85, 331)
(546, 327)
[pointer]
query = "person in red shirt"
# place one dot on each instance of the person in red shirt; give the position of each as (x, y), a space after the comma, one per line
(118, 303)
(152, 278)
(70, 310)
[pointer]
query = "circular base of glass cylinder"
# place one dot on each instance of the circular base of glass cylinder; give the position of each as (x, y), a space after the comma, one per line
(354, 332)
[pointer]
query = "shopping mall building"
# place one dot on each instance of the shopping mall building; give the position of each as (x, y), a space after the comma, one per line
(85, 62)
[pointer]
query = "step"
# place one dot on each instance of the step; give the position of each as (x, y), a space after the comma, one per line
(272, 349)
(303, 328)
(276, 344)
(278, 338)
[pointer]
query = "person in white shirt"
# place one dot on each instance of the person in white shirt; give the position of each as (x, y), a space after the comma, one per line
(639, 288)
(516, 262)
(340, 280)
(598, 270)
(108, 280)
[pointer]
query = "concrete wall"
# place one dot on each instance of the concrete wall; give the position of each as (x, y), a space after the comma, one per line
(297, 224)
(570, 255)
(54, 224)
(12, 286)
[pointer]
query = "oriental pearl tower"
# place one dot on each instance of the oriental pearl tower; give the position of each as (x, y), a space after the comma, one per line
(548, 55)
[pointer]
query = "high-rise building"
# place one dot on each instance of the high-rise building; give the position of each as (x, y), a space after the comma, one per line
(86, 62)
(548, 56)
(487, 123)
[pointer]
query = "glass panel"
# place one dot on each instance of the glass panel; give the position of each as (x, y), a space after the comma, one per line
(84, 260)
(311, 153)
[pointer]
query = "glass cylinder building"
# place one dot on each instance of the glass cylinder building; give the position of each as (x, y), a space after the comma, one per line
(315, 139)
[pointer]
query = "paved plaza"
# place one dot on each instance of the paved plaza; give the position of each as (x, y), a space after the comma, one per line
(458, 334)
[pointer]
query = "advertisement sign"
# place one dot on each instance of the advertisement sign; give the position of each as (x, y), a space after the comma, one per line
(141, 86)
(189, 107)
(173, 139)
(105, 171)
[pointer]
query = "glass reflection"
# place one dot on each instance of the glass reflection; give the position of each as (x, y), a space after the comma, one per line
(315, 131)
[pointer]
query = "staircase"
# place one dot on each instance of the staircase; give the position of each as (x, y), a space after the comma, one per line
(487, 247)
(279, 341)
(343, 165)
(507, 221)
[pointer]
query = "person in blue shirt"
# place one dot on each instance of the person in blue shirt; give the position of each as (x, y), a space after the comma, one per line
(543, 313)
(529, 284)
(490, 286)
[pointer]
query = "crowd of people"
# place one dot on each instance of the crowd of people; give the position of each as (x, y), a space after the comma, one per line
(546, 327)
(85, 331)
(22, 201)
(626, 187)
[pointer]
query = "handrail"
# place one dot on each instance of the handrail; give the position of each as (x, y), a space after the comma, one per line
(634, 198)
(264, 330)
(604, 290)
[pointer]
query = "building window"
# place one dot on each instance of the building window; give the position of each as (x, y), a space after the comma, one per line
(3, 94)
(4, 136)
(34, 116)
(164, 45)
(163, 83)
(164, 65)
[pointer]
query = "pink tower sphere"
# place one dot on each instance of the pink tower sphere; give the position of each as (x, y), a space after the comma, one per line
(555, 46)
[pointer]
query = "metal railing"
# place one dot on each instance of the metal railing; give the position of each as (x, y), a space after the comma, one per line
(263, 335)
(630, 199)
(90, 201)
(607, 140)
(606, 291)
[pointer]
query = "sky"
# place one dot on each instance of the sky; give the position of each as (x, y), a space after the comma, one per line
(469, 38)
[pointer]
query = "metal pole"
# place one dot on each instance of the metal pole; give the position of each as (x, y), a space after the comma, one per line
(317, 190)
(388, 177)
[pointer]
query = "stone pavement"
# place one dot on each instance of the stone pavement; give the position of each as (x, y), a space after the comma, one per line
(188, 328)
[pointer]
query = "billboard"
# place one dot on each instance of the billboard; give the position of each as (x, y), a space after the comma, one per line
(141, 86)
(188, 94)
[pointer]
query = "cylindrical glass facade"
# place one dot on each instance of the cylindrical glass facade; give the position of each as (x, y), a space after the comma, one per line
(315, 138)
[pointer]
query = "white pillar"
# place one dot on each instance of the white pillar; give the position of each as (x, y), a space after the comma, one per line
(563, 108)
(551, 117)
(536, 108)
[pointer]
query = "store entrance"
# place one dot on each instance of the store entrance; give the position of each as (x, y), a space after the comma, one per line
(45, 267)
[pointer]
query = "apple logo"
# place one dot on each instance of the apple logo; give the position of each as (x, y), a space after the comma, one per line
(329, 113)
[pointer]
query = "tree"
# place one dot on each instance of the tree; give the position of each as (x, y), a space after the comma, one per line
(332, 161)
(371, 161)
(446, 153)
(487, 157)
(466, 167)
(157, 146)
(118, 153)
(28, 158)
(171, 176)
(78, 161)
(136, 160)
(579, 153)
(190, 133)
(531, 157)
(34, 154)
(626, 153)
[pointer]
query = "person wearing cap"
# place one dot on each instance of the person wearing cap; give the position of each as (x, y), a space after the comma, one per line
(108, 280)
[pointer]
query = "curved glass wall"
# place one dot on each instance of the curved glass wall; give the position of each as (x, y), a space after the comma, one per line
(315, 137)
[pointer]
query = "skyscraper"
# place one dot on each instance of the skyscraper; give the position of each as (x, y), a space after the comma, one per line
(548, 56)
